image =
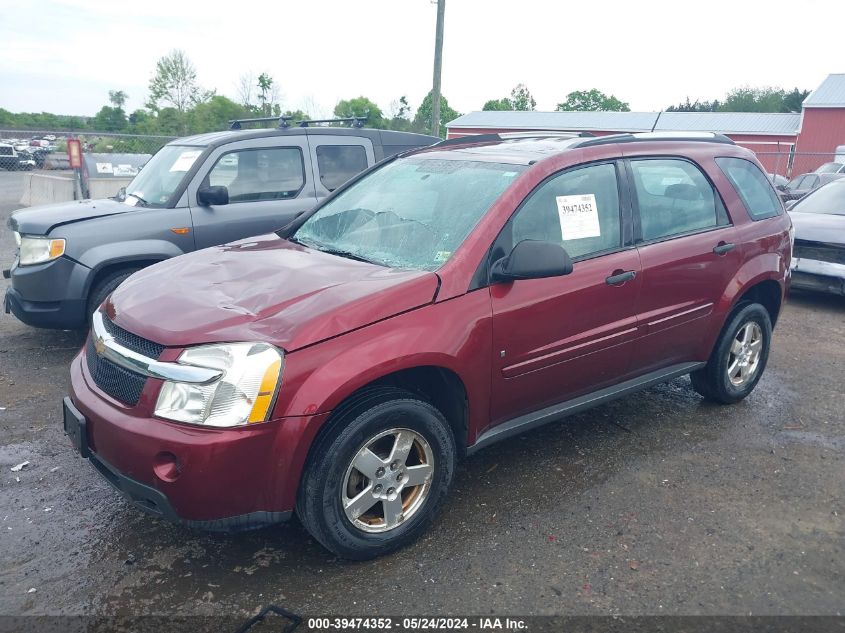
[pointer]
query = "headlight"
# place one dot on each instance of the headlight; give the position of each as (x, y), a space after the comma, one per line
(243, 395)
(37, 250)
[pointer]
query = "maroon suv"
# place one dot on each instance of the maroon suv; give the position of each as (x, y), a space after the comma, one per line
(444, 300)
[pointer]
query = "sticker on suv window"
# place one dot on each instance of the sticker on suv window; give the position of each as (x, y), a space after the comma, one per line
(579, 216)
(185, 160)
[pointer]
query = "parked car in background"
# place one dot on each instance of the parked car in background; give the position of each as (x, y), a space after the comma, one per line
(451, 298)
(818, 261)
(830, 168)
(778, 181)
(195, 192)
(801, 185)
(8, 156)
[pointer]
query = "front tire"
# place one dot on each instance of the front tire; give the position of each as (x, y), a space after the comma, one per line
(104, 288)
(739, 357)
(378, 475)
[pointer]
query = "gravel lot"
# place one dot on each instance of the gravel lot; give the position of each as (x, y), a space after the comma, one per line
(656, 504)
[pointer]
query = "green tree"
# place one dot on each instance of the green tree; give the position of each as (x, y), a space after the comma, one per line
(268, 93)
(593, 101)
(422, 120)
(110, 119)
(695, 106)
(361, 106)
(118, 98)
(521, 98)
(175, 83)
(295, 115)
(792, 101)
(498, 104)
(747, 99)
(399, 117)
(215, 114)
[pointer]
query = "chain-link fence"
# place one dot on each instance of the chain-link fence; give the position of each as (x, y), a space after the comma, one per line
(784, 160)
(47, 149)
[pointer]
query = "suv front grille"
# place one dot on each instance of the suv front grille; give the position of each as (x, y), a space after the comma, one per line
(121, 384)
(132, 341)
(819, 251)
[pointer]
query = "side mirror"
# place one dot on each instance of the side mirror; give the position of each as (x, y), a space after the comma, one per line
(780, 187)
(789, 204)
(208, 196)
(121, 194)
(532, 259)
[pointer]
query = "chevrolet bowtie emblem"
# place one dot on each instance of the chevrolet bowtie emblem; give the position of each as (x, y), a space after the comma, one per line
(100, 343)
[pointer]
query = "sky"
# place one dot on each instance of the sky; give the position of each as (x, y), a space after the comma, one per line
(63, 56)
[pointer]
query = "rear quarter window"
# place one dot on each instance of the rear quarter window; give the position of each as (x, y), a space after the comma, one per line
(754, 188)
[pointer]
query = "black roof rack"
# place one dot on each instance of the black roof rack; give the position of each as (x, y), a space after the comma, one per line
(699, 137)
(284, 121)
(356, 121)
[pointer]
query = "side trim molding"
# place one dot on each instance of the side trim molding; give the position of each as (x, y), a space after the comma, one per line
(535, 419)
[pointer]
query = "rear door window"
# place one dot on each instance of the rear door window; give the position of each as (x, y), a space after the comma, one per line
(674, 198)
(754, 189)
(339, 163)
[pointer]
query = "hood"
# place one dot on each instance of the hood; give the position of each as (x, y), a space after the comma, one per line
(819, 227)
(43, 219)
(263, 289)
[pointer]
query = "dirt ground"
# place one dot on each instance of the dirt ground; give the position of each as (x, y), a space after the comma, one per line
(659, 503)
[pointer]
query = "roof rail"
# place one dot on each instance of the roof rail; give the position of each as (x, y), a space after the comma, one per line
(508, 136)
(284, 121)
(701, 137)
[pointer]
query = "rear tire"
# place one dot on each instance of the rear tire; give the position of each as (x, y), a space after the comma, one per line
(104, 288)
(738, 358)
(406, 453)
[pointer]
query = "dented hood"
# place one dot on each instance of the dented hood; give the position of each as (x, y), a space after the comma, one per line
(263, 289)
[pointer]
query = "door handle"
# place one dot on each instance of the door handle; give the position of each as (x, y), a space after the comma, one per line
(619, 278)
(723, 247)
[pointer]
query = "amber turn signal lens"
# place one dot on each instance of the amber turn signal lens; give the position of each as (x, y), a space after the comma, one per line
(265, 393)
(183, 230)
(57, 248)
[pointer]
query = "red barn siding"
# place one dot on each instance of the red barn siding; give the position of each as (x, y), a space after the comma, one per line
(821, 131)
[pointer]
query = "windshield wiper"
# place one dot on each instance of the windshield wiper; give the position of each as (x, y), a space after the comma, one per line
(342, 253)
(325, 248)
(139, 198)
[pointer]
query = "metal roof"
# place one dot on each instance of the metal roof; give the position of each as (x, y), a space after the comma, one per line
(533, 120)
(769, 123)
(830, 94)
(720, 122)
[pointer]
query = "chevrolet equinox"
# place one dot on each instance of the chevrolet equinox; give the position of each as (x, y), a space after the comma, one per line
(443, 300)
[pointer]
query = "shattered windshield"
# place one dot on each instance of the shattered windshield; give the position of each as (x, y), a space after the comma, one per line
(412, 213)
(156, 183)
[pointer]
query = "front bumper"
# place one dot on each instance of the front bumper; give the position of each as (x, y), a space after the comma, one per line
(49, 295)
(215, 479)
(811, 274)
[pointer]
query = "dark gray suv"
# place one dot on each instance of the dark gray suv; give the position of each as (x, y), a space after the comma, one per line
(195, 192)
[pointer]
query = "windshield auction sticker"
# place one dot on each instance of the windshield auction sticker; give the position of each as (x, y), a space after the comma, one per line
(185, 160)
(579, 216)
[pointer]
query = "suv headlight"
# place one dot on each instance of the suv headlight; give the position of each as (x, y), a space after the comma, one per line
(243, 395)
(37, 250)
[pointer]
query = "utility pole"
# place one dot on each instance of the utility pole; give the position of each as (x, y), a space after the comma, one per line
(438, 63)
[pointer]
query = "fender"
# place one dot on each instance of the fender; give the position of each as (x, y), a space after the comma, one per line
(317, 379)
